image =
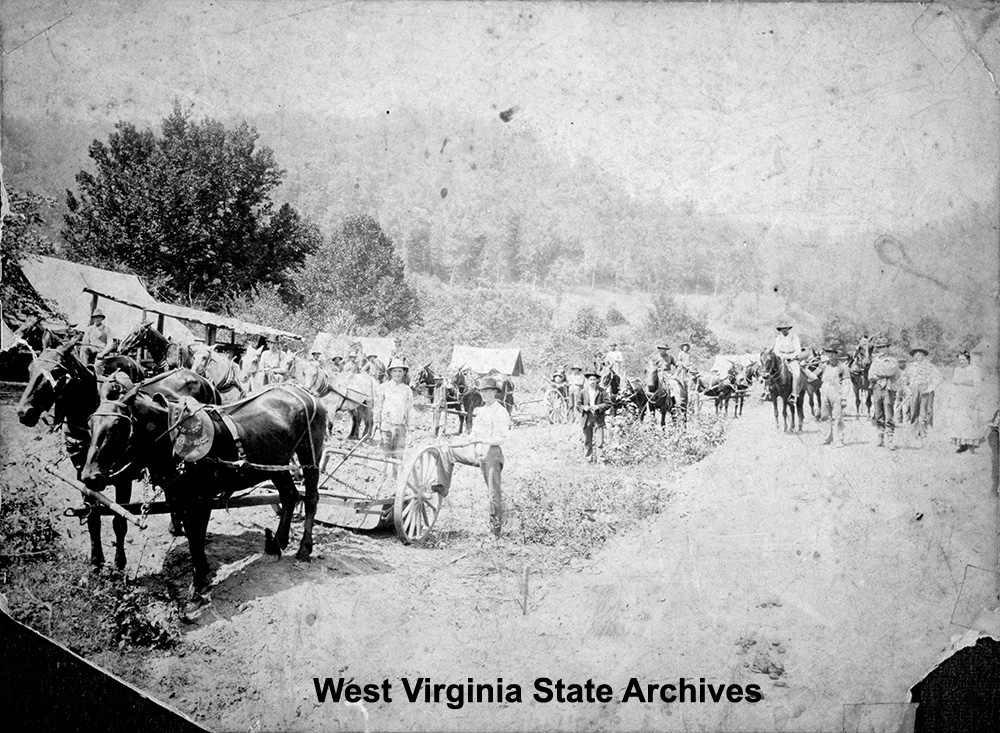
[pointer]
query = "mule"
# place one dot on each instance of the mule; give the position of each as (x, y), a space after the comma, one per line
(812, 386)
(332, 388)
(220, 370)
(59, 381)
(250, 441)
(778, 385)
(720, 389)
(610, 381)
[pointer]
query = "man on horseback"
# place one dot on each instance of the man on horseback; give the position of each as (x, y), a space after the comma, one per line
(614, 360)
(663, 360)
(375, 368)
(788, 348)
(883, 374)
(97, 340)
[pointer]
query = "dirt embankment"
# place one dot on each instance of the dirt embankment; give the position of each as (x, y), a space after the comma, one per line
(828, 577)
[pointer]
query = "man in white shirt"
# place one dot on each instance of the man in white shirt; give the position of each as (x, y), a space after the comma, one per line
(481, 448)
(788, 347)
(97, 340)
(394, 413)
(575, 380)
(614, 359)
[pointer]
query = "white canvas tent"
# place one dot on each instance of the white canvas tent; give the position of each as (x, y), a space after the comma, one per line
(484, 361)
(330, 345)
(7, 338)
(63, 283)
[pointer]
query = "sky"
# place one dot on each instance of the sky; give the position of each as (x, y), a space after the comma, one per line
(847, 118)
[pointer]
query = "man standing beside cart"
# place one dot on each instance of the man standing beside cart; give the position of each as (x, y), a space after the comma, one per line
(481, 447)
(394, 413)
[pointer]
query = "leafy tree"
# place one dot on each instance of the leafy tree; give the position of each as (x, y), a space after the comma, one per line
(615, 317)
(190, 209)
(23, 235)
(359, 273)
(587, 324)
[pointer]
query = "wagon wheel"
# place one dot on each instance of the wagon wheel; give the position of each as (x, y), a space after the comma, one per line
(555, 406)
(417, 505)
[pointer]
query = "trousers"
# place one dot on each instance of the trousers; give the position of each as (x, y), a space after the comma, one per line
(491, 464)
(590, 432)
(831, 409)
(884, 402)
(393, 444)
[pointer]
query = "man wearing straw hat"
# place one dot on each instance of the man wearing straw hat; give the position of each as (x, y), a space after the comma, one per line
(883, 374)
(576, 382)
(924, 379)
(481, 448)
(97, 340)
(394, 412)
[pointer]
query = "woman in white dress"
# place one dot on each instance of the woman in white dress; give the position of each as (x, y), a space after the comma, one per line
(967, 427)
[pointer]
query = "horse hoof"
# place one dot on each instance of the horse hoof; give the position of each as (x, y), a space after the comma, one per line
(120, 560)
(270, 545)
(176, 529)
(303, 555)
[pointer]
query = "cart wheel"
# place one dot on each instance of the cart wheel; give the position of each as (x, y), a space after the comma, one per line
(417, 506)
(556, 406)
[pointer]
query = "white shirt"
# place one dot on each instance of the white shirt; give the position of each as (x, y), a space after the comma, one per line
(615, 359)
(787, 347)
(490, 427)
(393, 405)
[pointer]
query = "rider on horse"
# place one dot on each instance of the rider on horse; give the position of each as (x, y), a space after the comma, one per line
(788, 347)
(97, 340)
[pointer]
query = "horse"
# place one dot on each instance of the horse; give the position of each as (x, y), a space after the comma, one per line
(219, 370)
(778, 383)
(745, 374)
(467, 399)
(58, 380)
(610, 381)
(332, 388)
(858, 366)
(812, 386)
(664, 392)
(440, 395)
(249, 441)
(145, 336)
(717, 387)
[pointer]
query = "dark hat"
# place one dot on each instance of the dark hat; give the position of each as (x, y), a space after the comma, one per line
(588, 375)
(487, 383)
(921, 349)
(782, 325)
(686, 345)
(576, 368)
(193, 431)
(965, 353)
(664, 346)
(832, 347)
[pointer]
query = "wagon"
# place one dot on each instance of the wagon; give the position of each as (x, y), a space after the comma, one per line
(409, 503)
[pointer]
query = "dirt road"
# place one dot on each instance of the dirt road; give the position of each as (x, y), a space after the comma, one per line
(829, 577)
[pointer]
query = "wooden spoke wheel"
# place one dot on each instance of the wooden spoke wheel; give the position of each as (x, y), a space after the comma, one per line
(417, 504)
(555, 406)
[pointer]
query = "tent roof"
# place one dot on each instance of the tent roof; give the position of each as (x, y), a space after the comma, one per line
(206, 318)
(340, 345)
(64, 284)
(484, 361)
(7, 338)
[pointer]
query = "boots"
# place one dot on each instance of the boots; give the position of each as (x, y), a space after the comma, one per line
(892, 446)
(881, 439)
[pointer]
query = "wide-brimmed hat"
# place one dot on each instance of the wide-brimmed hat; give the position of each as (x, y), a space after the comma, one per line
(372, 356)
(588, 375)
(576, 368)
(98, 313)
(832, 347)
(557, 374)
(396, 364)
(921, 349)
(782, 325)
(687, 345)
(965, 353)
(487, 383)
(881, 342)
(664, 346)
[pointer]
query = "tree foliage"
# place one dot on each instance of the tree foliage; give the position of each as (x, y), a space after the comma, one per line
(189, 209)
(587, 324)
(358, 275)
(23, 235)
(668, 319)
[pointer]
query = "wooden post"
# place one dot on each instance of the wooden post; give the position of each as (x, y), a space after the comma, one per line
(210, 335)
(159, 323)
(93, 302)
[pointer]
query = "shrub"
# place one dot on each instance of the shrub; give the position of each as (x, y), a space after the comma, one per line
(615, 317)
(587, 324)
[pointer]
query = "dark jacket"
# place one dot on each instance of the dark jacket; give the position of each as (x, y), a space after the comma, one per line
(594, 417)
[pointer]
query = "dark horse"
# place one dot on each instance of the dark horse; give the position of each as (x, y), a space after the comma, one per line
(58, 380)
(611, 381)
(859, 364)
(664, 393)
(145, 336)
(441, 395)
(269, 429)
(717, 388)
(812, 386)
(469, 398)
(778, 383)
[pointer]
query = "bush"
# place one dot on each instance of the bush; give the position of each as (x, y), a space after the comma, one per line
(666, 318)
(615, 317)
